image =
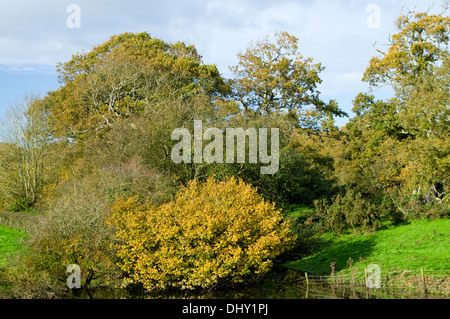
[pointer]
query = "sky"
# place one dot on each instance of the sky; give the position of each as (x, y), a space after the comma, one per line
(37, 34)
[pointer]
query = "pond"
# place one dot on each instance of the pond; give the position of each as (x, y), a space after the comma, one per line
(281, 283)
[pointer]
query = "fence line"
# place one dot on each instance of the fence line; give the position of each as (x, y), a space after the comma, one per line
(422, 281)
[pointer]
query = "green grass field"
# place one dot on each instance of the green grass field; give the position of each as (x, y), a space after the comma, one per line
(408, 246)
(301, 211)
(10, 242)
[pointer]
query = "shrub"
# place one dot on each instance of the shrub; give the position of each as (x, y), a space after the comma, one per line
(72, 230)
(297, 181)
(307, 242)
(132, 178)
(21, 205)
(19, 283)
(352, 210)
(212, 233)
(411, 206)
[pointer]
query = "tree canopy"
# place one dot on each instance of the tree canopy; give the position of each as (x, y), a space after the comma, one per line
(129, 74)
(274, 77)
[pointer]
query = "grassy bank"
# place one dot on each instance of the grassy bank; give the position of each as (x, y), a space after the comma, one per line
(411, 245)
(10, 243)
(413, 258)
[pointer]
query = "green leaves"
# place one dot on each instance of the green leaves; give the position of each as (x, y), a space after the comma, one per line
(403, 142)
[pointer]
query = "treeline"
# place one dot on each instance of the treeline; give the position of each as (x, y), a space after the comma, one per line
(94, 157)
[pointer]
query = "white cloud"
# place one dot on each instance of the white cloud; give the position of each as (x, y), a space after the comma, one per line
(36, 31)
(341, 83)
(45, 52)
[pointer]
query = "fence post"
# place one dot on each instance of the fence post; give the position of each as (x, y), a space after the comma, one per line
(307, 285)
(333, 268)
(365, 277)
(423, 280)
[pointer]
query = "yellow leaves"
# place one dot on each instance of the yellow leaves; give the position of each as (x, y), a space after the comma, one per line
(271, 76)
(212, 231)
(419, 44)
(129, 74)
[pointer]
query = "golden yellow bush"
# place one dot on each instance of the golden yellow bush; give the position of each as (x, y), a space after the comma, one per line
(212, 233)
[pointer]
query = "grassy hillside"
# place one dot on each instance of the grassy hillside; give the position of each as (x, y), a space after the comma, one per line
(408, 246)
(10, 242)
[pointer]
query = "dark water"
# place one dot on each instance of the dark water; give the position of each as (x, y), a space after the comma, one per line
(280, 284)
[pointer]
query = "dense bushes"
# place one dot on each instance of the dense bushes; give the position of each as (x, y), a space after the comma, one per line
(21, 205)
(213, 233)
(365, 211)
(72, 227)
(72, 230)
(413, 206)
(297, 181)
(353, 211)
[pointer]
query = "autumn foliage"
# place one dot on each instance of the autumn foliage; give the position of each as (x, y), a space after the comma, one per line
(212, 233)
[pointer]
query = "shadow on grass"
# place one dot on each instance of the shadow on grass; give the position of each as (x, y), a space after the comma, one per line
(394, 224)
(338, 252)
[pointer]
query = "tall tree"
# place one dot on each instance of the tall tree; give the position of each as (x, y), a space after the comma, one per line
(24, 154)
(414, 51)
(403, 141)
(129, 74)
(415, 67)
(273, 76)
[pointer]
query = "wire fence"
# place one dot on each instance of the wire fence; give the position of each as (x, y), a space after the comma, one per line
(391, 283)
